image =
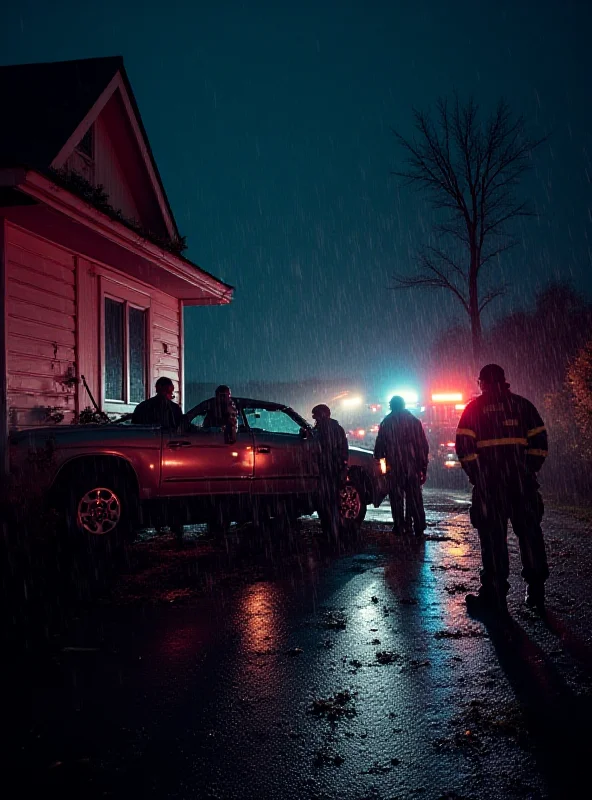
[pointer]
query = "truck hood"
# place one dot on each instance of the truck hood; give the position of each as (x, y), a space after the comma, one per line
(363, 450)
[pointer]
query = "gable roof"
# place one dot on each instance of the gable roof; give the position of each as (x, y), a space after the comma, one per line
(45, 104)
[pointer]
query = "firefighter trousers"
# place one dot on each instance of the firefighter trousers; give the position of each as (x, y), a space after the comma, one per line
(493, 505)
(406, 500)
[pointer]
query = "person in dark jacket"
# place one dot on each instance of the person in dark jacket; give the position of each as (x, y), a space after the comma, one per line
(333, 454)
(222, 413)
(501, 442)
(160, 409)
(401, 440)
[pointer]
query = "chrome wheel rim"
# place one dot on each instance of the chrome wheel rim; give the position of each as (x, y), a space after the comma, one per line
(99, 511)
(351, 502)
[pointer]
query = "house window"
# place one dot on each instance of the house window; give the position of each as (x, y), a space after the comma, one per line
(137, 354)
(126, 352)
(114, 350)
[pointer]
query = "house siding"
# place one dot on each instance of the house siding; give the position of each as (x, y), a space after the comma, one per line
(40, 328)
(164, 328)
(53, 305)
(166, 340)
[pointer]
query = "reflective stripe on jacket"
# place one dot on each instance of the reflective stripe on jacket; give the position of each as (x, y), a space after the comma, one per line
(501, 432)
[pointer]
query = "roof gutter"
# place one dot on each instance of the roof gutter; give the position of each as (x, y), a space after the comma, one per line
(45, 191)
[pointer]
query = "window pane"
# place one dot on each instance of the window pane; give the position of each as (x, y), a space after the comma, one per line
(114, 344)
(261, 419)
(137, 360)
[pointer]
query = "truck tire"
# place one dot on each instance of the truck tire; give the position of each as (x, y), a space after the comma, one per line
(101, 508)
(353, 503)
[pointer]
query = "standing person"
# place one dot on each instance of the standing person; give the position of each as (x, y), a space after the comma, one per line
(160, 409)
(333, 457)
(401, 440)
(501, 442)
(222, 413)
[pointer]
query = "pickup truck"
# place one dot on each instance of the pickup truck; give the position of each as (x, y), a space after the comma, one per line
(110, 479)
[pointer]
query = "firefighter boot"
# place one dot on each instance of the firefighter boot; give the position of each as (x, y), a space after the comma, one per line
(486, 602)
(535, 596)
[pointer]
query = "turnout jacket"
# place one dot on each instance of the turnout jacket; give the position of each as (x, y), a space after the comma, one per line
(402, 441)
(501, 434)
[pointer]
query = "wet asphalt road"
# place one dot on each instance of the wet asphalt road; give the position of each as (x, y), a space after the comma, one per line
(290, 667)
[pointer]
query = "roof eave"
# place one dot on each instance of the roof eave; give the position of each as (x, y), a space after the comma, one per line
(212, 291)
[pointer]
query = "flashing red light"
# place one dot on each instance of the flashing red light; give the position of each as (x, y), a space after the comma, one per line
(447, 397)
(361, 433)
(374, 429)
(450, 444)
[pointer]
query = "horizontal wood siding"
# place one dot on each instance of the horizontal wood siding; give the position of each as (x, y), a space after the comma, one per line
(41, 329)
(166, 340)
(49, 291)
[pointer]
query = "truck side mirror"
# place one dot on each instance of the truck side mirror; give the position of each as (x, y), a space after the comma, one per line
(305, 433)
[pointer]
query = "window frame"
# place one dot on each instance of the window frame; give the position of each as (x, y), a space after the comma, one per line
(130, 298)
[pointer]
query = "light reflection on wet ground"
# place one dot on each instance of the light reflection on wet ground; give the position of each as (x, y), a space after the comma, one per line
(205, 664)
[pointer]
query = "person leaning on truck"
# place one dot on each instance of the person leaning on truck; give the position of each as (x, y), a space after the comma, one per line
(160, 409)
(222, 413)
(333, 455)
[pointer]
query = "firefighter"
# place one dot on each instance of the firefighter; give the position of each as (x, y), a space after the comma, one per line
(402, 442)
(501, 442)
(333, 454)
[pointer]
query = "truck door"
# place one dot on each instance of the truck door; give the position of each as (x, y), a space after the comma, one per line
(284, 459)
(199, 461)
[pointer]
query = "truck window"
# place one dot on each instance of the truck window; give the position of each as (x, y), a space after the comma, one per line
(274, 421)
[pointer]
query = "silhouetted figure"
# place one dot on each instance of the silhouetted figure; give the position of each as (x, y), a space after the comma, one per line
(160, 409)
(222, 413)
(401, 440)
(333, 454)
(501, 442)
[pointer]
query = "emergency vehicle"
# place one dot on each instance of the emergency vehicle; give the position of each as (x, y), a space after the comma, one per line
(440, 417)
(439, 412)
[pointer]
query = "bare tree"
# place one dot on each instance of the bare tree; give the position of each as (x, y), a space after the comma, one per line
(469, 170)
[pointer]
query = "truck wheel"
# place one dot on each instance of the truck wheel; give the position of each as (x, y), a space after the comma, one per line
(99, 509)
(353, 504)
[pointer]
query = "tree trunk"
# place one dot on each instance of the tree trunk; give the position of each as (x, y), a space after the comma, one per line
(475, 315)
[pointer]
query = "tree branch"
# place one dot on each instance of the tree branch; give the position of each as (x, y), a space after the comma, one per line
(490, 296)
(469, 169)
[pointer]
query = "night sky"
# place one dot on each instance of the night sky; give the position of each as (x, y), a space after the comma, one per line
(271, 125)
